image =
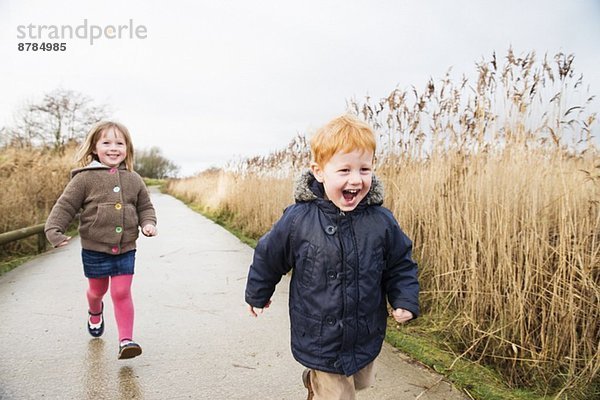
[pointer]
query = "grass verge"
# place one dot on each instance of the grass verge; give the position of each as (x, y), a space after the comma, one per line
(422, 342)
(12, 262)
(155, 182)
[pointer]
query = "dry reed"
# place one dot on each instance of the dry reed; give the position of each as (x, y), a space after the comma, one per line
(31, 181)
(498, 184)
(250, 202)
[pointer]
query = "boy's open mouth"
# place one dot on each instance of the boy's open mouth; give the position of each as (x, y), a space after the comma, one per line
(350, 194)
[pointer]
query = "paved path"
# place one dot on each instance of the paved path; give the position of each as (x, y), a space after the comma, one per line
(198, 340)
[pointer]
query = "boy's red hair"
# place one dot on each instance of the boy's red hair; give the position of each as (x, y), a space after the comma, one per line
(342, 134)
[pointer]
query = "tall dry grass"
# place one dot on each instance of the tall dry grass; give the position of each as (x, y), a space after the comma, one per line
(250, 203)
(509, 252)
(31, 182)
(506, 207)
(498, 184)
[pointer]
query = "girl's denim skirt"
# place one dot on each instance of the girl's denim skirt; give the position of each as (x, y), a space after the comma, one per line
(101, 265)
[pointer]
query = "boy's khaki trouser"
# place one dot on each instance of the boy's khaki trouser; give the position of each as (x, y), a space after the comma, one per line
(328, 386)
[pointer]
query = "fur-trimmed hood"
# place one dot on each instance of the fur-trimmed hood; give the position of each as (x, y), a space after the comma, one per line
(307, 188)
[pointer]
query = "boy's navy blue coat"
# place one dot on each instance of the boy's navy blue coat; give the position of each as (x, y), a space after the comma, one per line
(344, 265)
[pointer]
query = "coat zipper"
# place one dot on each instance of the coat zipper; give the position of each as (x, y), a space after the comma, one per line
(343, 259)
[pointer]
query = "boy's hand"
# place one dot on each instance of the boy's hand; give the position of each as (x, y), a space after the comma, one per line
(149, 230)
(401, 315)
(254, 311)
(65, 242)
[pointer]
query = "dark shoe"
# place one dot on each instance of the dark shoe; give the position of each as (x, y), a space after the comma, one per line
(129, 349)
(96, 330)
(307, 384)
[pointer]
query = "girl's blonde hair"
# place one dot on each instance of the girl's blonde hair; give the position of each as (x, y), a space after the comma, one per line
(85, 154)
(345, 133)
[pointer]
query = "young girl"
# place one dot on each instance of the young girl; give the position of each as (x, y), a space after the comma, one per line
(114, 201)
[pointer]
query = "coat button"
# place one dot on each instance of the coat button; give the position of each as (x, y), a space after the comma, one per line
(115, 249)
(118, 206)
(331, 274)
(116, 189)
(330, 230)
(330, 320)
(118, 229)
(337, 364)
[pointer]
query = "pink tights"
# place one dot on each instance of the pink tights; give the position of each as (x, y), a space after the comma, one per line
(120, 292)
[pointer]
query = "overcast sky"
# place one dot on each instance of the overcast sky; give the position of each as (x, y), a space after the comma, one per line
(215, 80)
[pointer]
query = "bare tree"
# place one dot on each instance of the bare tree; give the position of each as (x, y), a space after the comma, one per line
(60, 117)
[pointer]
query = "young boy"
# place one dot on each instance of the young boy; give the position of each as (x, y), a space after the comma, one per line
(348, 253)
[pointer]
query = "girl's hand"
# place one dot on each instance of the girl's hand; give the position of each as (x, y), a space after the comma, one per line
(149, 230)
(254, 311)
(66, 242)
(401, 315)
